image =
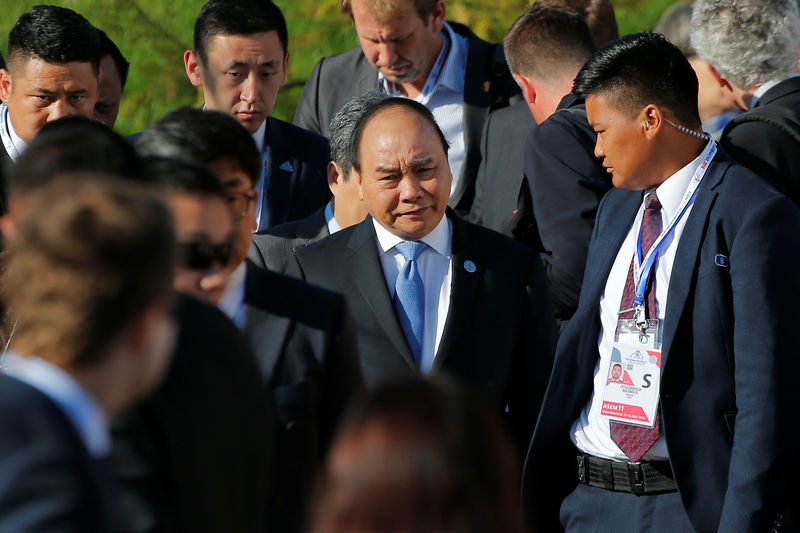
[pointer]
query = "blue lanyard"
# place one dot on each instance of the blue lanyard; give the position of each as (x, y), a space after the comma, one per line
(641, 274)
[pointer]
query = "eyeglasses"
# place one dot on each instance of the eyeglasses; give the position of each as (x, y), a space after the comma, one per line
(203, 255)
(239, 201)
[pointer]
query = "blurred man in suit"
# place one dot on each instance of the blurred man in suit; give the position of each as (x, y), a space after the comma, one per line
(303, 337)
(545, 49)
(753, 49)
(502, 196)
(196, 452)
(407, 49)
(111, 81)
(690, 284)
(431, 292)
(92, 334)
(274, 248)
(53, 63)
(240, 59)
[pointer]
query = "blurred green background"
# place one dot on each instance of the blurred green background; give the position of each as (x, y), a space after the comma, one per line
(153, 35)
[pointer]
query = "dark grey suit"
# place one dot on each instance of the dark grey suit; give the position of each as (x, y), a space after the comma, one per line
(499, 332)
(274, 247)
(488, 85)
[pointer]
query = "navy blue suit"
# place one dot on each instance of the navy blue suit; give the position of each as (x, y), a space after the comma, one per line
(48, 480)
(298, 179)
(730, 345)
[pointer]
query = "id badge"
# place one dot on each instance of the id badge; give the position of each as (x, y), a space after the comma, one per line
(633, 376)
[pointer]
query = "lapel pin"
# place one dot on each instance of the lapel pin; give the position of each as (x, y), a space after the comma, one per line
(487, 86)
(721, 260)
(287, 166)
(469, 266)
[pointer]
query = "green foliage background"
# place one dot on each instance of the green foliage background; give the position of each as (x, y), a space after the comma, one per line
(153, 35)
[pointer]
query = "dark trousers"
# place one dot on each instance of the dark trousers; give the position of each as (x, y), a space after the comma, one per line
(592, 510)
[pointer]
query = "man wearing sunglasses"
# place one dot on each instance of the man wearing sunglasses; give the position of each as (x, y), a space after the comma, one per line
(303, 337)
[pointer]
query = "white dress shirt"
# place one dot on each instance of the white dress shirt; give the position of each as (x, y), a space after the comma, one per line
(590, 432)
(10, 137)
(446, 97)
(435, 266)
(232, 300)
(78, 405)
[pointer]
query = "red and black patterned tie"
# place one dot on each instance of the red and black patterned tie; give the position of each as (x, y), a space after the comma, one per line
(634, 441)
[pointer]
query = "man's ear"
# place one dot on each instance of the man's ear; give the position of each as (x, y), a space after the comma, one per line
(722, 81)
(334, 173)
(194, 69)
(528, 88)
(6, 85)
(652, 120)
(437, 17)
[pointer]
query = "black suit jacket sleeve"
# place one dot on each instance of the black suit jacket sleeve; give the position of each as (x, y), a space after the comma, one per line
(566, 182)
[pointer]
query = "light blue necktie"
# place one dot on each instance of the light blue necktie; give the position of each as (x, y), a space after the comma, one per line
(409, 297)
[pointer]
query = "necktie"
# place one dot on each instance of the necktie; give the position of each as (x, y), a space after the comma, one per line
(634, 441)
(409, 297)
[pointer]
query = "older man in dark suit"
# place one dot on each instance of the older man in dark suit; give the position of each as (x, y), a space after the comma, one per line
(407, 49)
(691, 285)
(752, 47)
(431, 292)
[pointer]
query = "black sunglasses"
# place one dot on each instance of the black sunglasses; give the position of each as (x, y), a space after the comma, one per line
(202, 255)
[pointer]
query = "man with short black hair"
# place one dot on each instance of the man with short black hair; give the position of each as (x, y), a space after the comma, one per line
(431, 292)
(690, 285)
(302, 337)
(53, 63)
(92, 334)
(111, 81)
(240, 58)
(274, 248)
(408, 49)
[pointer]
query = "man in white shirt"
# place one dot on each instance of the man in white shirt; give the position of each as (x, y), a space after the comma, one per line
(690, 285)
(463, 299)
(752, 47)
(93, 333)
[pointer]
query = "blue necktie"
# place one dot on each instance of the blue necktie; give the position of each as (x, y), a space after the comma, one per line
(409, 297)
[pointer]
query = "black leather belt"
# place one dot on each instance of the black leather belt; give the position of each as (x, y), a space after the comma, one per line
(648, 477)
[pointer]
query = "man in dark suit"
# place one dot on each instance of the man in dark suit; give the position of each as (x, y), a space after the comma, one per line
(91, 336)
(407, 49)
(302, 337)
(240, 58)
(502, 196)
(274, 248)
(470, 302)
(546, 48)
(714, 446)
(752, 47)
(53, 61)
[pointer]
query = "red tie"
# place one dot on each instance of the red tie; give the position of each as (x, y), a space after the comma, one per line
(634, 441)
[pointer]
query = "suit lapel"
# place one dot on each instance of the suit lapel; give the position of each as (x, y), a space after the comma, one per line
(365, 265)
(462, 293)
(265, 332)
(688, 253)
(281, 165)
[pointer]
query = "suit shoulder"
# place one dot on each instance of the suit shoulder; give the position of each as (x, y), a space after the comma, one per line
(290, 296)
(494, 244)
(27, 415)
(344, 62)
(287, 230)
(301, 138)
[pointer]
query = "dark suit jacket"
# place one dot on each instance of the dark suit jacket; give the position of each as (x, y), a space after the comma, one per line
(296, 193)
(338, 78)
(274, 248)
(48, 480)
(766, 139)
(500, 181)
(196, 455)
(499, 332)
(304, 341)
(728, 387)
(5, 170)
(566, 183)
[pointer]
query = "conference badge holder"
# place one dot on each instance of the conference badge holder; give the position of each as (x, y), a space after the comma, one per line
(633, 377)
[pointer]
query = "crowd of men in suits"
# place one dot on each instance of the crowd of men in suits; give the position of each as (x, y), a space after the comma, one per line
(504, 255)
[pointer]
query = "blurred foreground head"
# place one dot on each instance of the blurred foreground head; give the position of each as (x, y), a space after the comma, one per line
(420, 456)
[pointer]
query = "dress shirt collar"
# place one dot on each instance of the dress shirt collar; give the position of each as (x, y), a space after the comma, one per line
(330, 220)
(233, 298)
(440, 239)
(769, 85)
(16, 140)
(259, 136)
(453, 71)
(670, 193)
(77, 404)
